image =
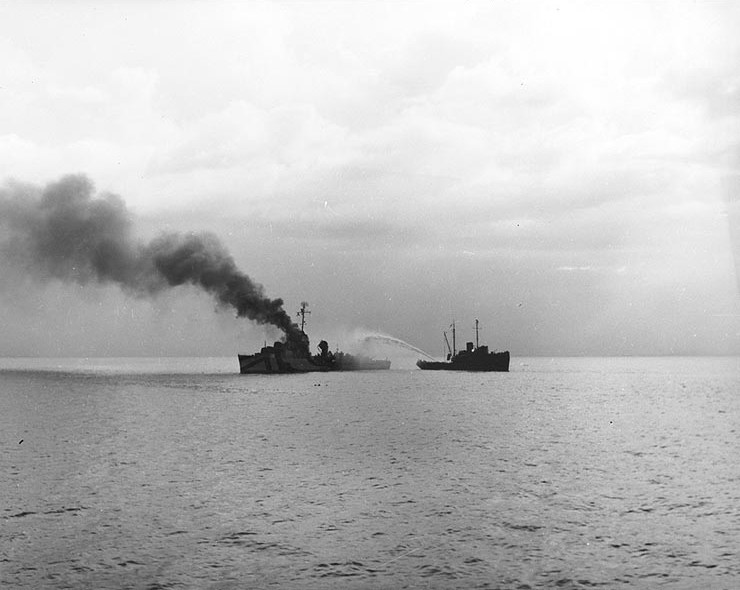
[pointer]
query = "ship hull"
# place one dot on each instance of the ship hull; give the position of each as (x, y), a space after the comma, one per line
(491, 362)
(267, 364)
(277, 360)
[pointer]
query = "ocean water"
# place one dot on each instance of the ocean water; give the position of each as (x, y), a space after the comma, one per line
(180, 473)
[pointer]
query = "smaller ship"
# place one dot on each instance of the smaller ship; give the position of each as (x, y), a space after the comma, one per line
(293, 357)
(473, 358)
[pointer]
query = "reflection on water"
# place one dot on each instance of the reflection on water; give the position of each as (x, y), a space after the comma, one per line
(567, 473)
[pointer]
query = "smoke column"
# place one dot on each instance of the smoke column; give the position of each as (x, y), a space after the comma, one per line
(65, 232)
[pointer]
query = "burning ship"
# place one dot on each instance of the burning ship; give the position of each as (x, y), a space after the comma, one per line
(70, 233)
(476, 358)
(293, 356)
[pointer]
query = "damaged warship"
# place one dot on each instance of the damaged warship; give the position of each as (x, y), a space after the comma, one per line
(293, 356)
(471, 359)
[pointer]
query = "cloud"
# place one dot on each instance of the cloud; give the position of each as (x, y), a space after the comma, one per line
(574, 149)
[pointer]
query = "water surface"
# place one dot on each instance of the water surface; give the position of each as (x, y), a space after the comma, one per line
(179, 473)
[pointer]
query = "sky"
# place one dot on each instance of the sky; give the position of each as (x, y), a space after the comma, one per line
(567, 173)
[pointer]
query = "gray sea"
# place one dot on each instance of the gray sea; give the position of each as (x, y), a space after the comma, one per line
(181, 473)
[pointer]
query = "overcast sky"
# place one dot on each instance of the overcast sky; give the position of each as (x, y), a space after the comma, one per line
(567, 173)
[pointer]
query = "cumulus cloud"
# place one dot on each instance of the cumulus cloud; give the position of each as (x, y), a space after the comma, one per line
(547, 140)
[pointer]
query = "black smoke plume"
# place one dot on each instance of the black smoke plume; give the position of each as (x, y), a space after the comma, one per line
(64, 231)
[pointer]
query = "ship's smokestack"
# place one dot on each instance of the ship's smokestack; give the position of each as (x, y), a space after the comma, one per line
(65, 232)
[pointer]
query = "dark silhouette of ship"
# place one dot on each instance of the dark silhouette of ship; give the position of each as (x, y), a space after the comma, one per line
(473, 358)
(294, 357)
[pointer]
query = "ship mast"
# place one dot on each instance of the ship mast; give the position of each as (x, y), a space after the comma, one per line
(454, 347)
(476, 333)
(447, 343)
(302, 314)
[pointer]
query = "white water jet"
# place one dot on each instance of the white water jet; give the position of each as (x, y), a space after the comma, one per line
(392, 340)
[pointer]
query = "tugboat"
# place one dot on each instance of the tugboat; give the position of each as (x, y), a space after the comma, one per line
(471, 359)
(293, 357)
